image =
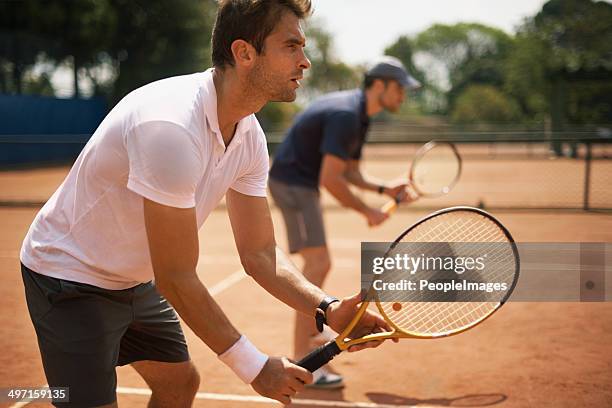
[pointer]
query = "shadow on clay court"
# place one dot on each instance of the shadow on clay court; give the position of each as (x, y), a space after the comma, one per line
(470, 400)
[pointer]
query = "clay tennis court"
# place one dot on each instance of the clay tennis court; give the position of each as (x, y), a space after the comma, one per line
(527, 355)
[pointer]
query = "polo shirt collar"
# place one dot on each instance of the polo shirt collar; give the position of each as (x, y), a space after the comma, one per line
(210, 110)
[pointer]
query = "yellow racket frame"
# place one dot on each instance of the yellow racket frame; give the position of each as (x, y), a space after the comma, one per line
(397, 333)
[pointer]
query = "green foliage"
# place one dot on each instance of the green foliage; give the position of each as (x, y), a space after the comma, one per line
(561, 65)
(579, 33)
(40, 85)
(118, 44)
(157, 39)
(469, 53)
(558, 65)
(20, 44)
(277, 116)
(326, 74)
(403, 49)
(526, 75)
(484, 104)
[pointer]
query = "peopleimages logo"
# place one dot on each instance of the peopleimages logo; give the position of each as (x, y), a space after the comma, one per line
(437, 271)
(412, 264)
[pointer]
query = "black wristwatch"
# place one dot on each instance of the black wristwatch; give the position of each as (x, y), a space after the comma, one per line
(320, 316)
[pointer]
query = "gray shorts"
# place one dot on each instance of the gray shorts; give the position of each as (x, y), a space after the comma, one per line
(301, 209)
(84, 332)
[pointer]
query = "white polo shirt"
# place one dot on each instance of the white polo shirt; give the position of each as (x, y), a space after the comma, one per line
(162, 142)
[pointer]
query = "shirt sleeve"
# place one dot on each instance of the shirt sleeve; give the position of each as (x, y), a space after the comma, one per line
(340, 135)
(165, 163)
(255, 180)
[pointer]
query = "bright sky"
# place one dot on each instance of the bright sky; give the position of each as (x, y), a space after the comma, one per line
(362, 29)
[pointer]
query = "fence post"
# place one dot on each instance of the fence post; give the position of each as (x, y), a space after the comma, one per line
(587, 176)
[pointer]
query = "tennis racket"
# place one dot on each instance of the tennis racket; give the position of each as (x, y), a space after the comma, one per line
(435, 170)
(465, 229)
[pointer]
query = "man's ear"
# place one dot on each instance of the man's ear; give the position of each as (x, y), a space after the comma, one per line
(243, 52)
(379, 85)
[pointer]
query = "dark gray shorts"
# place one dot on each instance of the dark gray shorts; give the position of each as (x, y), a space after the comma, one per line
(84, 332)
(301, 209)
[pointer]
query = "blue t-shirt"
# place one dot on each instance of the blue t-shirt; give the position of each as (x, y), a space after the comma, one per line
(335, 124)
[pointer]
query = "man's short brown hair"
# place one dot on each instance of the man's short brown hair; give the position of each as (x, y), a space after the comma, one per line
(251, 21)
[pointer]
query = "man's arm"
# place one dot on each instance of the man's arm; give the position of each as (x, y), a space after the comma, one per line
(354, 176)
(174, 248)
(173, 244)
(262, 259)
(333, 178)
(273, 270)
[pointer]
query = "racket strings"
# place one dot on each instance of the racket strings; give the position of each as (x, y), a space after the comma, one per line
(463, 230)
(436, 170)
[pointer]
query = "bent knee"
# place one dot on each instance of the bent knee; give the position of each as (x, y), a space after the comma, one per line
(192, 379)
(317, 268)
(321, 262)
(183, 382)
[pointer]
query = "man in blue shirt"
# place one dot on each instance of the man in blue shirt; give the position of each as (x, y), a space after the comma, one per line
(323, 148)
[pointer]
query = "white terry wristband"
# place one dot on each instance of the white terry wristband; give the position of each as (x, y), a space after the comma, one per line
(244, 359)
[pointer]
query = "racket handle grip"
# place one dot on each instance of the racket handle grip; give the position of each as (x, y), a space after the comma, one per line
(320, 356)
(390, 207)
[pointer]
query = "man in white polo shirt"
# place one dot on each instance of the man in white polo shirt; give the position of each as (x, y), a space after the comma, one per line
(129, 211)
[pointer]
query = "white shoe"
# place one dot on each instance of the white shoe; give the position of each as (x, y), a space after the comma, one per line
(326, 380)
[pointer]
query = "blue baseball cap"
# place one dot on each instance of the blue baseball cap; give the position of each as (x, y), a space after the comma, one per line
(392, 68)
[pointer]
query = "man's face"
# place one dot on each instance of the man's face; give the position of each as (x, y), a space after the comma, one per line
(393, 96)
(281, 64)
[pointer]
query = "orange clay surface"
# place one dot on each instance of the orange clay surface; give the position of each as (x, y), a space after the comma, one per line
(527, 355)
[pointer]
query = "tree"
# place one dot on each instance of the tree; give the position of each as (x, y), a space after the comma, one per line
(81, 30)
(403, 49)
(526, 76)
(276, 116)
(327, 73)
(484, 104)
(20, 44)
(562, 63)
(117, 44)
(468, 53)
(157, 38)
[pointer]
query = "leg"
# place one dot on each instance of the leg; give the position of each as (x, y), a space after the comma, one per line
(302, 213)
(79, 329)
(172, 384)
(155, 346)
(316, 267)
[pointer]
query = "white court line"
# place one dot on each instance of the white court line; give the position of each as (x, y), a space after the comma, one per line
(20, 404)
(24, 403)
(214, 291)
(227, 282)
(262, 400)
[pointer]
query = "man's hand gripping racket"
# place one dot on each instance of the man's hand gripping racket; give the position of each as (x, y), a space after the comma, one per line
(434, 171)
(408, 318)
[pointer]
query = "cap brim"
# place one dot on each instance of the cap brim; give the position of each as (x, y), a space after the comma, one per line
(411, 83)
